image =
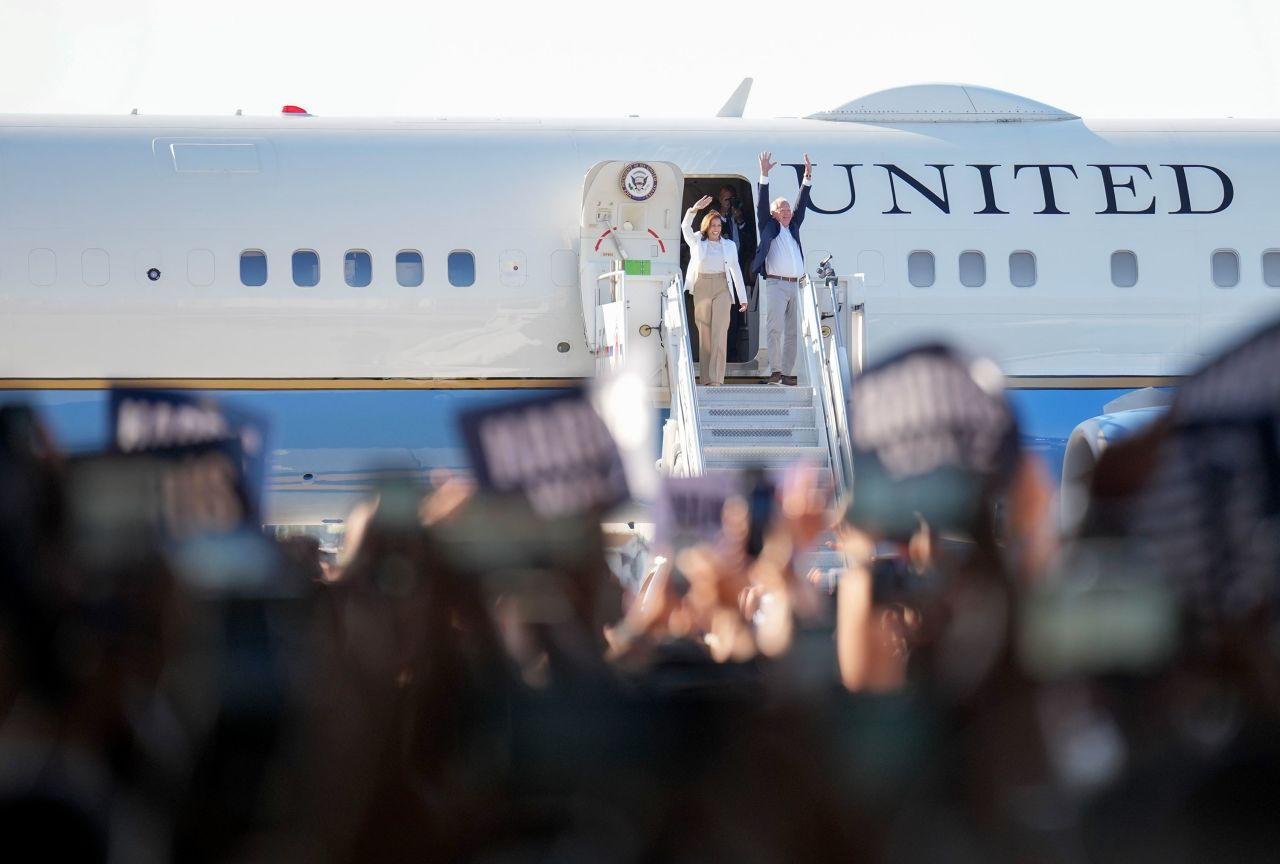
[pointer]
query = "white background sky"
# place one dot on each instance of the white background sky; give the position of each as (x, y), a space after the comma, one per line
(1096, 58)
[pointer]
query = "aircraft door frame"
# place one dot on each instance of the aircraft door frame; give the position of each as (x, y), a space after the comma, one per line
(698, 184)
(629, 222)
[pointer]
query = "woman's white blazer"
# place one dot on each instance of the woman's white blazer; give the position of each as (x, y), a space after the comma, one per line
(697, 249)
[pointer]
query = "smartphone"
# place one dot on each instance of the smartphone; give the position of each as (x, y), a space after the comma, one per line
(761, 495)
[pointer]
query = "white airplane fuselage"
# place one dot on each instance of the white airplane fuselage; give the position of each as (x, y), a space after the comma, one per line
(121, 241)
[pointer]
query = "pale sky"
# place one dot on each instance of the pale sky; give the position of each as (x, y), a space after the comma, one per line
(1095, 58)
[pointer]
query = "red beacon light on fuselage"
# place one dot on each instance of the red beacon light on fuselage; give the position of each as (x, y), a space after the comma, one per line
(295, 111)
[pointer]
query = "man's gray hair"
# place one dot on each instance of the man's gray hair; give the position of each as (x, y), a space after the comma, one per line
(778, 202)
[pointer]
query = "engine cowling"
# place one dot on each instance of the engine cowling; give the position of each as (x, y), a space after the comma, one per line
(1123, 418)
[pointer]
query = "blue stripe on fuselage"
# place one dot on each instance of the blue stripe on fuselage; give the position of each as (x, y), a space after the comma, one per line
(335, 432)
(368, 421)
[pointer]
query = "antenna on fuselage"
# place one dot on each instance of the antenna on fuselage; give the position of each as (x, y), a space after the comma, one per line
(738, 101)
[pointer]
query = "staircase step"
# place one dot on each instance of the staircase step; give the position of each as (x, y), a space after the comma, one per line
(755, 416)
(759, 436)
(769, 457)
(754, 394)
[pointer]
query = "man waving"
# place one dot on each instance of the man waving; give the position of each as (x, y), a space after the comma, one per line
(780, 259)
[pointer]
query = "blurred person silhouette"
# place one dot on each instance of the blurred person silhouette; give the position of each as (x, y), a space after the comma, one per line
(96, 614)
(305, 554)
(1210, 514)
(940, 476)
(944, 532)
(46, 800)
(1188, 512)
(416, 656)
(33, 545)
(1211, 509)
(456, 636)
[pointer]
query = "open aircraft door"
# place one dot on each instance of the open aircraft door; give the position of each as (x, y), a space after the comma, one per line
(629, 253)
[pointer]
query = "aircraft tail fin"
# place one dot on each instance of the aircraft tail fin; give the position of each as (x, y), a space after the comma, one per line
(738, 101)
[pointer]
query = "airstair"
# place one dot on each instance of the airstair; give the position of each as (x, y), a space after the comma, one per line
(771, 427)
(732, 427)
(735, 427)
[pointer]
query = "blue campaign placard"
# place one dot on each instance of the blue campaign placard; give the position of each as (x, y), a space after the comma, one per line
(166, 422)
(554, 449)
(690, 510)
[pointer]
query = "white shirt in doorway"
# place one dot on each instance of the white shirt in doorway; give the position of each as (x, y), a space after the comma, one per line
(784, 258)
(712, 257)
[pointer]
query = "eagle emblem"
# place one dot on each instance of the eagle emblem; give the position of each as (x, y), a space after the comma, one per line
(639, 181)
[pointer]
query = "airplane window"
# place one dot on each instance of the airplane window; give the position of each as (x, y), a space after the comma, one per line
(1022, 269)
(1124, 269)
(306, 268)
(920, 269)
(1226, 268)
(357, 268)
(973, 269)
(42, 265)
(462, 269)
(95, 267)
(200, 267)
(409, 268)
(1271, 268)
(253, 268)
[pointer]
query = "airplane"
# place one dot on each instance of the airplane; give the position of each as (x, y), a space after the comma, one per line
(359, 281)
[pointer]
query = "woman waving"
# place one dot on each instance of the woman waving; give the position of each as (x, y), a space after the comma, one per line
(716, 281)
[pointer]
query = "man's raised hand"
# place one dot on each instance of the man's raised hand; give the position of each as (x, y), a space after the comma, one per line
(765, 164)
(808, 168)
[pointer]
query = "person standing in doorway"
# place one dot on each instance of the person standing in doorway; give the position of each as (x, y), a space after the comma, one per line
(731, 214)
(735, 226)
(716, 280)
(780, 259)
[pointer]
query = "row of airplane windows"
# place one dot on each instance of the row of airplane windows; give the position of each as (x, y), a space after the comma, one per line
(357, 268)
(1224, 267)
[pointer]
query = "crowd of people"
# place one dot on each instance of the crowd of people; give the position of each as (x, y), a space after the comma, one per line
(469, 681)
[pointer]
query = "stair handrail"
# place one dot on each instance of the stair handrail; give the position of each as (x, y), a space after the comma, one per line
(838, 357)
(830, 380)
(681, 379)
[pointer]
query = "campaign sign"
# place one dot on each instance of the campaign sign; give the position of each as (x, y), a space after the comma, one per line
(173, 492)
(177, 425)
(690, 510)
(554, 449)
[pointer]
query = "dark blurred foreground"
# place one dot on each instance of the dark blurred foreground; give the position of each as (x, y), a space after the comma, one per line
(470, 682)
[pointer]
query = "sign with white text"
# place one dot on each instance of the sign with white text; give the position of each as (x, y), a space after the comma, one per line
(554, 449)
(191, 432)
(690, 510)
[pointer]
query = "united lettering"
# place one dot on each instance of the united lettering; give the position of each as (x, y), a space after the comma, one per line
(1118, 189)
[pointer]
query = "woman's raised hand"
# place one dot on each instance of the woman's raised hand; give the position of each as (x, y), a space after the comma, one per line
(701, 203)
